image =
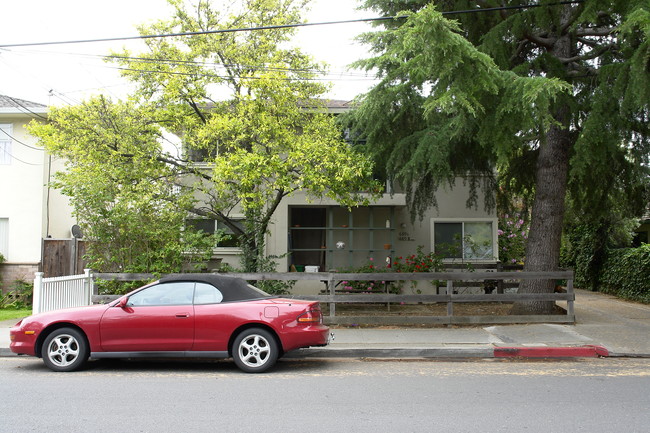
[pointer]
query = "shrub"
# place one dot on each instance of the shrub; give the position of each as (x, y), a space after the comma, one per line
(376, 286)
(19, 297)
(418, 262)
(513, 235)
(626, 273)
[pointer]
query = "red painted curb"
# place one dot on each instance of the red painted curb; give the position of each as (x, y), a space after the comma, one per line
(551, 352)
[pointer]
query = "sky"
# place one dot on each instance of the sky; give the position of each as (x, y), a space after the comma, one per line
(67, 74)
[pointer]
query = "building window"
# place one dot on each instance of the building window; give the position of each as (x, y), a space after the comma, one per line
(4, 237)
(5, 144)
(465, 240)
(233, 238)
(210, 226)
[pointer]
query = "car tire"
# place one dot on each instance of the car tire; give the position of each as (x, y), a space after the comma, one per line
(255, 350)
(65, 349)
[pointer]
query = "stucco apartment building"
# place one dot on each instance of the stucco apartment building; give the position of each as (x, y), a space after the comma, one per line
(317, 235)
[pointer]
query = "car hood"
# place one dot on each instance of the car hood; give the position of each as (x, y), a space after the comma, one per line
(73, 315)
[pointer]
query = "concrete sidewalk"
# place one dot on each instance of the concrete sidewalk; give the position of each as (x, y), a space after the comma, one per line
(606, 326)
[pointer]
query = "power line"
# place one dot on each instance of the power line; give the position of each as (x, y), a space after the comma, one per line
(176, 62)
(204, 75)
(18, 103)
(20, 142)
(284, 26)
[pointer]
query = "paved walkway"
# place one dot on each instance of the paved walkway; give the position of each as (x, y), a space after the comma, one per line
(606, 326)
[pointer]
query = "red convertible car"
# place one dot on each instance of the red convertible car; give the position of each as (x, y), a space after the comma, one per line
(187, 315)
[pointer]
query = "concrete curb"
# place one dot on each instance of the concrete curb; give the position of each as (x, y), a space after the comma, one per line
(5, 352)
(391, 353)
(439, 353)
(495, 352)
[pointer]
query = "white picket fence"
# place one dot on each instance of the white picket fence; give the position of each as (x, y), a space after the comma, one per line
(62, 292)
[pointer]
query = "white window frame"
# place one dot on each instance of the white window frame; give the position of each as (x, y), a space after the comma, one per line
(4, 237)
(233, 250)
(229, 250)
(5, 143)
(462, 221)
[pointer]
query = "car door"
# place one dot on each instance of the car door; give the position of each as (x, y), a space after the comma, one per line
(215, 321)
(157, 318)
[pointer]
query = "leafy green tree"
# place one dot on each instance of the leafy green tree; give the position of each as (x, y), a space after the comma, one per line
(121, 190)
(556, 98)
(245, 106)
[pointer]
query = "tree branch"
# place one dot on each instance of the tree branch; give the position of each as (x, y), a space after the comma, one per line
(590, 55)
(595, 31)
(539, 40)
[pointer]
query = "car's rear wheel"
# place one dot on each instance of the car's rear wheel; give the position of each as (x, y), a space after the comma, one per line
(255, 350)
(65, 349)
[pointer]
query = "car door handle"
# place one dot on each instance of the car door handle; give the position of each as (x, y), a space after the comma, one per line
(183, 315)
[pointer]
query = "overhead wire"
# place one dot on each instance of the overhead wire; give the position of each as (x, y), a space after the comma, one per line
(18, 103)
(20, 142)
(341, 75)
(283, 26)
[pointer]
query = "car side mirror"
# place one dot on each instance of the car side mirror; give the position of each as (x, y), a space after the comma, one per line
(122, 303)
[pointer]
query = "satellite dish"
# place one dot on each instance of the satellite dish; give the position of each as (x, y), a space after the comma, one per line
(76, 231)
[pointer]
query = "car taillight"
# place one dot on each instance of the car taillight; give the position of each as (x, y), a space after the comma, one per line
(311, 316)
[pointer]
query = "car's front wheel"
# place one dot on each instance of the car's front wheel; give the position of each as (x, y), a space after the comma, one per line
(255, 350)
(65, 349)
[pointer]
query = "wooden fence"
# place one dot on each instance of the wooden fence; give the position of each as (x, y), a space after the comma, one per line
(333, 296)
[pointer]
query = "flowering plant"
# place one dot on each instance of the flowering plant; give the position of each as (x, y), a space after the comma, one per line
(513, 235)
(418, 262)
(366, 286)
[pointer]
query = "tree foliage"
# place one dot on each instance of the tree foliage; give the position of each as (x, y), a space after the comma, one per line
(246, 107)
(121, 190)
(555, 97)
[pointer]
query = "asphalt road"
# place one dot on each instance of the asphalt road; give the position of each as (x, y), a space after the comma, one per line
(590, 395)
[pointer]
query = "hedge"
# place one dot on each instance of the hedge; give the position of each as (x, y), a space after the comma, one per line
(626, 274)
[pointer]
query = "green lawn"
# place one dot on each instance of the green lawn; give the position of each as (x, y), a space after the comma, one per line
(14, 314)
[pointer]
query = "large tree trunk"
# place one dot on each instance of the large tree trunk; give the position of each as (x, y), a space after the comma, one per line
(543, 249)
(545, 236)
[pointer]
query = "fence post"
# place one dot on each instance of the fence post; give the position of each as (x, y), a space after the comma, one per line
(332, 291)
(501, 282)
(569, 305)
(450, 304)
(88, 286)
(37, 293)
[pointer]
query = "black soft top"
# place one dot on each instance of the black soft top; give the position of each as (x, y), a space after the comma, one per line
(232, 288)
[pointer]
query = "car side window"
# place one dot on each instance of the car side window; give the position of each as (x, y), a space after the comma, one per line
(206, 294)
(173, 293)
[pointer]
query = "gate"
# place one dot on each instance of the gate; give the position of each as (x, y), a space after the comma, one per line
(62, 257)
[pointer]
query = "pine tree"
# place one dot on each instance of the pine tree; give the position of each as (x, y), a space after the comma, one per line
(554, 96)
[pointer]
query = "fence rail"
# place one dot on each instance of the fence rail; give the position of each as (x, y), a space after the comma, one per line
(332, 297)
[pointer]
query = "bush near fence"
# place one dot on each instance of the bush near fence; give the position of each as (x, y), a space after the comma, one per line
(626, 274)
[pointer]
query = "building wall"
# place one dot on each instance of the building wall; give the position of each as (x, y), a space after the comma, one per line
(11, 272)
(29, 208)
(20, 195)
(57, 212)
(404, 236)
